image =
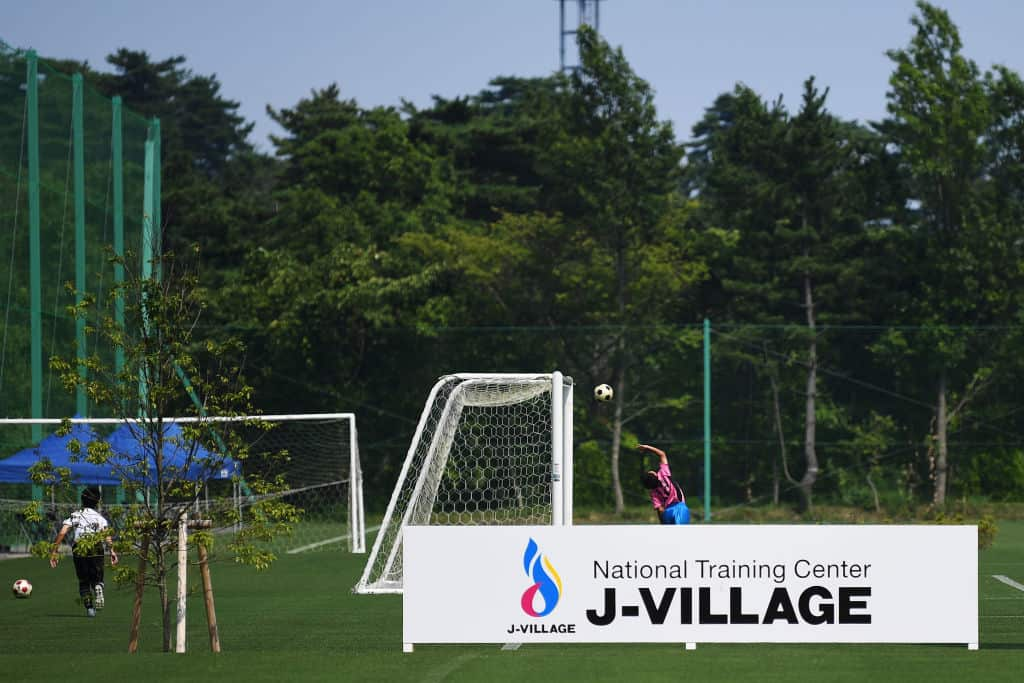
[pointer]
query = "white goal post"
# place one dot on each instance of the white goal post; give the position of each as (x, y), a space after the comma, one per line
(489, 449)
(323, 472)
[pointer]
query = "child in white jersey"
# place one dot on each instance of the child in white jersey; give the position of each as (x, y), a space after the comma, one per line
(87, 527)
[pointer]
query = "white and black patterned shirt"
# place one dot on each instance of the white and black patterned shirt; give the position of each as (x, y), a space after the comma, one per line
(84, 522)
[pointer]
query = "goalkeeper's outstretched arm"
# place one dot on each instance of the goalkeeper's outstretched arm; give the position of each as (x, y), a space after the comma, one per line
(657, 451)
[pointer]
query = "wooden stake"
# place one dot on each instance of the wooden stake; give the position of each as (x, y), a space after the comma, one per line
(211, 611)
(204, 571)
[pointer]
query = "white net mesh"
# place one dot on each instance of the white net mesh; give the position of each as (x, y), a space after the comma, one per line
(324, 478)
(481, 455)
(322, 471)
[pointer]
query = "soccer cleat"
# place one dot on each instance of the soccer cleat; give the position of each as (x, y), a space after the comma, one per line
(98, 590)
(90, 612)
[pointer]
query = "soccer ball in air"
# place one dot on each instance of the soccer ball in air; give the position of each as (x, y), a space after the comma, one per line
(603, 392)
(21, 588)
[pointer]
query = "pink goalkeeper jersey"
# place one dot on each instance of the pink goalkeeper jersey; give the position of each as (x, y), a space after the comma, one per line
(666, 493)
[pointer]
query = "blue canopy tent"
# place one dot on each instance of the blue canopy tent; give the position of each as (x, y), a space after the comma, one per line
(15, 469)
(202, 465)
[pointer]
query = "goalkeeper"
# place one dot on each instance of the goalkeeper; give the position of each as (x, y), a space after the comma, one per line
(666, 495)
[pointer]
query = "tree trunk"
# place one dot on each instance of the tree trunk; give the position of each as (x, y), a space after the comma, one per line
(140, 588)
(620, 381)
(165, 610)
(810, 419)
(775, 481)
(874, 490)
(777, 413)
(941, 444)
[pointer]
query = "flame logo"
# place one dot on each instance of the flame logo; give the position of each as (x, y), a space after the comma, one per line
(548, 583)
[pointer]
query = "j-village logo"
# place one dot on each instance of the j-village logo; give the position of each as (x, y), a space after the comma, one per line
(542, 596)
(548, 583)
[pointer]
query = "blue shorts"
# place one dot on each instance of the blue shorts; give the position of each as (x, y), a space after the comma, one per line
(676, 513)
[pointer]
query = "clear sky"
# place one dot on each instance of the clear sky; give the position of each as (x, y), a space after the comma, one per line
(382, 51)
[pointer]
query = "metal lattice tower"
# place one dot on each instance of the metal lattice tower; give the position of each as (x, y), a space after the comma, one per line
(588, 12)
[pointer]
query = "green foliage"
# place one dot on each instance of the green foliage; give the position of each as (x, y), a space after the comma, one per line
(340, 259)
(493, 139)
(998, 475)
(987, 531)
(592, 475)
(987, 528)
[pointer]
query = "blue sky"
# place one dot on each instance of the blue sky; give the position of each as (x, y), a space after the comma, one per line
(382, 51)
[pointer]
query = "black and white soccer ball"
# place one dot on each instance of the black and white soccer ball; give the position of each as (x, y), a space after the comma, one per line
(603, 392)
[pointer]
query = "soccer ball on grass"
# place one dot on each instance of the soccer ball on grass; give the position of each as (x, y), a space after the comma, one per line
(21, 588)
(603, 392)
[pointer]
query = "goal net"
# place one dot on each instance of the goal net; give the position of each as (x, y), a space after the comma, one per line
(322, 472)
(488, 449)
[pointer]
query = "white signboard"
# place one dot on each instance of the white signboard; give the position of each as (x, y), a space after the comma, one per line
(713, 583)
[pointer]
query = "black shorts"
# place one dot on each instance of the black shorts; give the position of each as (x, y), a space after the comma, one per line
(89, 569)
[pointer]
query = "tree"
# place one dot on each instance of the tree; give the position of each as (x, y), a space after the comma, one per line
(944, 119)
(197, 122)
(494, 141)
(736, 171)
(205, 149)
(820, 233)
(167, 371)
(340, 305)
(794, 187)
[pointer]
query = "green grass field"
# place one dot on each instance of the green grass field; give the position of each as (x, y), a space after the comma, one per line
(299, 621)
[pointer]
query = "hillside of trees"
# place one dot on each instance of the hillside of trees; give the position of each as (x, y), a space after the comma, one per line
(864, 280)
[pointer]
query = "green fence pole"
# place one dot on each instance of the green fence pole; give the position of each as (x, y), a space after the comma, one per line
(158, 236)
(707, 420)
(116, 160)
(146, 256)
(78, 133)
(147, 214)
(34, 251)
(34, 245)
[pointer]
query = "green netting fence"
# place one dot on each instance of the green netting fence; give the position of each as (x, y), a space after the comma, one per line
(732, 414)
(878, 394)
(79, 180)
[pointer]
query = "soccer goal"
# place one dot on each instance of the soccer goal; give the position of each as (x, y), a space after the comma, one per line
(322, 471)
(488, 449)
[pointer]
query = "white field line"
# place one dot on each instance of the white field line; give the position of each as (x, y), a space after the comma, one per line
(1008, 581)
(511, 646)
(445, 670)
(328, 541)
